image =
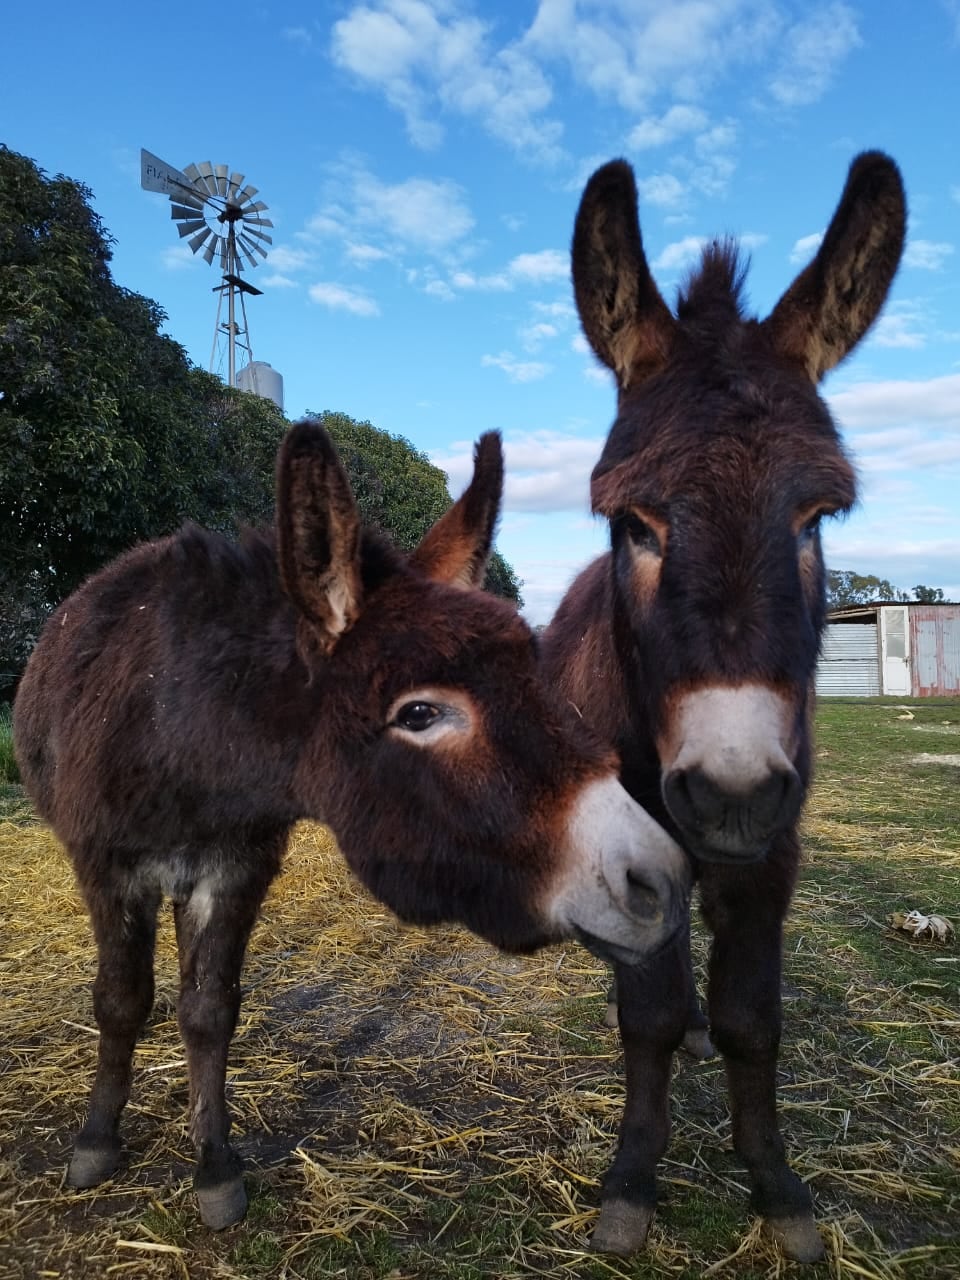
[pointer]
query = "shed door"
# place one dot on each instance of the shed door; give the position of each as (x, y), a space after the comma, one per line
(894, 650)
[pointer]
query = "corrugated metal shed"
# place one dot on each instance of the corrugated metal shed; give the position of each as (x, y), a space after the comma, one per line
(867, 650)
(850, 660)
(935, 644)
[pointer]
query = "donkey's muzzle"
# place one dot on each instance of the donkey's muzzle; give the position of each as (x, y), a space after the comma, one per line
(720, 825)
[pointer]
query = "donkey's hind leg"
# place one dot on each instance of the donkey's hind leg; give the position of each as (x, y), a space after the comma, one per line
(125, 927)
(213, 927)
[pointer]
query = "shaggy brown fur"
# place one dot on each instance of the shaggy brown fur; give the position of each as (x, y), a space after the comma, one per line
(196, 697)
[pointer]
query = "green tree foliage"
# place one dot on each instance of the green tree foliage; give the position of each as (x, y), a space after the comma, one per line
(928, 595)
(108, 434)
(844, 587)
(400, 491)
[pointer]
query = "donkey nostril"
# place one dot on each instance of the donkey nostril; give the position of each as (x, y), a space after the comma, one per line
(642, 896)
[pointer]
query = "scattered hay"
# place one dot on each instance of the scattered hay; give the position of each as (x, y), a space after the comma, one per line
(414, 1104)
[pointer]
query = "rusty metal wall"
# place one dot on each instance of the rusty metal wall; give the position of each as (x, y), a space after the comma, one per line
(935, 649)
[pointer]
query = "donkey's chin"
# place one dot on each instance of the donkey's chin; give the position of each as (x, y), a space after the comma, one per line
(724, 850)
(615, 953)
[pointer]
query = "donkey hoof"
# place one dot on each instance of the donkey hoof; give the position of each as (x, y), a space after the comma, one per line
(621, 1228)
(223, 1205)
(90, 1166)
(696, 1041)
(610, 1018)
(797, 1237)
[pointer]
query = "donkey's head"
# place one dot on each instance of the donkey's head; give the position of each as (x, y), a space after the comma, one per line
(456, 786)
(719, 468)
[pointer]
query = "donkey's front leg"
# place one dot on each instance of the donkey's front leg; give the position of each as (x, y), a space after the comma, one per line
(125, 930)
(653, 1002)
(212, 933)
(744, 908)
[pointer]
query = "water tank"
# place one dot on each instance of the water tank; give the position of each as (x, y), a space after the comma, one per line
(263, 380)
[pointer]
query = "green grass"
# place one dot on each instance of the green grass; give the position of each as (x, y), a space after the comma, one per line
(9, 773)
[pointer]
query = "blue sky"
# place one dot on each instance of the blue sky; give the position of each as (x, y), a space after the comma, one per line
(423, 160)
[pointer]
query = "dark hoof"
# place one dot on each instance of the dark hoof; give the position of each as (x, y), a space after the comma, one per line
(696, 1041)
(797, 1237)
(92, 1165)
(610, 1018)
(223, 1205)
(621, 1228)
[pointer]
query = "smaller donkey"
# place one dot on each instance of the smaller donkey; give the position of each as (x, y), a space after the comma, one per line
(194, 699)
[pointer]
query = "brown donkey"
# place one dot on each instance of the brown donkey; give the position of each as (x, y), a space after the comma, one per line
(691, 646)
(196, 697)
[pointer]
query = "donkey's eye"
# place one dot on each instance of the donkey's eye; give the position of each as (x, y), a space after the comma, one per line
(417, 716)
(810, 530)
(641, 534)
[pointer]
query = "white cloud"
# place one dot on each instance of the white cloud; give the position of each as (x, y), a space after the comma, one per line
(813, 50)
(430, 58)
(178, 257)
(287, 261)
(534, 335)
(656, 131)
(439, 289)
(377, 219)
(545, 470)
(926, 255)
(680, 254)
(935, 401)
(630, 52)
(898, 327)
(339, 298)
(277, 281)
(298, 35)
(805, 248)
(364, 254)
(548, 264)
(661, 189)
(516, 370)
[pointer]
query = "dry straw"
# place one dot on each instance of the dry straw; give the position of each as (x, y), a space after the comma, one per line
(416, 1104)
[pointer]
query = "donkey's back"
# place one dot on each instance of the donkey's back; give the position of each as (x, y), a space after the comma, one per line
(164, 702)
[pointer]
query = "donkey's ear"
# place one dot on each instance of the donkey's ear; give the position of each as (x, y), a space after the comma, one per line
(318, 533)
(457, 548)
(625, 319)
(835, 300)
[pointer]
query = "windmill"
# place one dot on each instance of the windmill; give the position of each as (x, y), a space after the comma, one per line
(214, 208)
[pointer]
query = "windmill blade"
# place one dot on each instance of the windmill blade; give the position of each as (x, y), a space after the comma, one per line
(199, 240)
(250, 221)
(224, 254)
(211, 249)
(259, 207)
(258, 237)
(193, 173)
(246, 194)
(206, 176)
(242, 249)
(180, 211)
(250, 247)
(221, 171)
(233, 186)
(188, 228)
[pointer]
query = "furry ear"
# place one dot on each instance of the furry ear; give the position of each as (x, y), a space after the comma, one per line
(457, 548)
(625, 319)
(318, 534)
(835, 300)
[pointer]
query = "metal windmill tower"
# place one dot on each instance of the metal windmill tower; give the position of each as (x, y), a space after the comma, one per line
(212, 206)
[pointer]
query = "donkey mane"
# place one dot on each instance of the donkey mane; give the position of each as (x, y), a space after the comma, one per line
(712, 293)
